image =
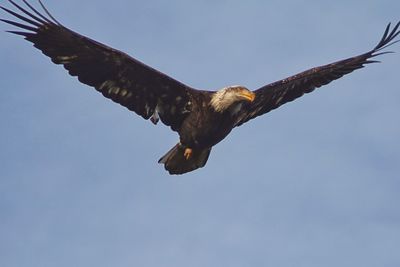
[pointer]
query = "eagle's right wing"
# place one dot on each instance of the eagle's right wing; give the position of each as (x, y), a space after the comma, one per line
(273, 95)
(116, 75)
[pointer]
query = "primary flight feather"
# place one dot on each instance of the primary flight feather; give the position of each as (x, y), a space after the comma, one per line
(201, 118)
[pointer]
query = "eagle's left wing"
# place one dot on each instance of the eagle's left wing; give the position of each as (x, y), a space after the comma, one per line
(278, 93)
(119, 77)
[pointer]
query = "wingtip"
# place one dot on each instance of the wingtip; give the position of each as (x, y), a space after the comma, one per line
(372, 61)
(34, 14)
(24, 34)
(388, 37)
(48, 13)
(19, 25)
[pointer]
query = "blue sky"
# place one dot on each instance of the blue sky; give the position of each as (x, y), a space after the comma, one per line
(314, 183)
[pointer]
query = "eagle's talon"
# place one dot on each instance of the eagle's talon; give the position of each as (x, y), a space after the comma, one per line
(188, 153)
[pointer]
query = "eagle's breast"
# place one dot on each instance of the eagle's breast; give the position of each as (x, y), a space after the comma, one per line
(205, 128)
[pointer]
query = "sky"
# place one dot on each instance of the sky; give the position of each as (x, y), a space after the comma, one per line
(314, 183)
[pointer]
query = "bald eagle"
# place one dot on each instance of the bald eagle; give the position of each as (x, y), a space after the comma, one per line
(201, 118)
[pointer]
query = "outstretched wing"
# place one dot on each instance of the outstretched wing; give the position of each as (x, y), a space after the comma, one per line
(278, 93)
(116, 75)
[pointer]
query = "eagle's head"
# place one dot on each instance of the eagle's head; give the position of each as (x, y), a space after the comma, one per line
(231, 98)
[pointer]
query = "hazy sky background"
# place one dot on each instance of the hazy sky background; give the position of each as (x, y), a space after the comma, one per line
(315, 183)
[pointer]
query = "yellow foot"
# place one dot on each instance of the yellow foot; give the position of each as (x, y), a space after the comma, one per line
(188, 153)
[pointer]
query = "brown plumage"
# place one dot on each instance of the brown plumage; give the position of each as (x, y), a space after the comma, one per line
(201, 118)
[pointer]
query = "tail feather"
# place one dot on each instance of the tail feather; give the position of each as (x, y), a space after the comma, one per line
(175, 162)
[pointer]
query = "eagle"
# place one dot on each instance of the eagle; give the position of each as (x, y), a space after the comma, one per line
(201, 118)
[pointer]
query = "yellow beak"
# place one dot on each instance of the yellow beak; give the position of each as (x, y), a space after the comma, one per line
(248, 95)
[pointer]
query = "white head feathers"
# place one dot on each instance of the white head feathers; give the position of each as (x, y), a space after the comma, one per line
(226, 97)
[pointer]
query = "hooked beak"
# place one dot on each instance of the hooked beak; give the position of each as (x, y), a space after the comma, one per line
(248, 95)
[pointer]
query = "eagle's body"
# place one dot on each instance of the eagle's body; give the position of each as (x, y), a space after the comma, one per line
(208, 124)
(201, 118)
(211, 118)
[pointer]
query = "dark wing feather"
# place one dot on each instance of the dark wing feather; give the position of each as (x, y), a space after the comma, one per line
(278, 93)
(116, 75)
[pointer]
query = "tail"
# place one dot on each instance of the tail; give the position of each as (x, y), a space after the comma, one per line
(175, 162)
